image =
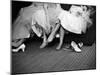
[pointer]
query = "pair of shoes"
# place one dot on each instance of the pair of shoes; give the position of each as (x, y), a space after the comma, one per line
(75, 47)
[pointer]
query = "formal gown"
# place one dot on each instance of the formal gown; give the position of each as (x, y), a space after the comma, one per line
(71, 21)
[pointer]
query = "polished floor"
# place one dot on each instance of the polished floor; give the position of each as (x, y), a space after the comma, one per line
(36, 60)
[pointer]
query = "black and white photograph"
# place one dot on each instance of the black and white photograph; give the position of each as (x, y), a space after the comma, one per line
(52, 37)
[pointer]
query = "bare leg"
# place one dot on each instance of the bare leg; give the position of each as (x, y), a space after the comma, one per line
(61, 38)
(34, 28)
(50, 38)
(44, 41)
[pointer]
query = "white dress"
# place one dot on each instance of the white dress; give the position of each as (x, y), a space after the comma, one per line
(72, 22)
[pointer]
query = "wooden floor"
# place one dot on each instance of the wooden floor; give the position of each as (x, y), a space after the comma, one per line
(35, 60)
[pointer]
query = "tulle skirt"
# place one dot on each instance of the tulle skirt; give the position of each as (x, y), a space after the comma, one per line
(72, 23)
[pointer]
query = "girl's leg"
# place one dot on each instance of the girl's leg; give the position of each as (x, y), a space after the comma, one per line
(44, 43)
(61, 38)
(53, 33)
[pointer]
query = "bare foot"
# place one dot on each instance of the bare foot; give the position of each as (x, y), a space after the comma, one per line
(58, 47)
(43, 44)
(50, 38)
(52, 35)
(67, 47)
